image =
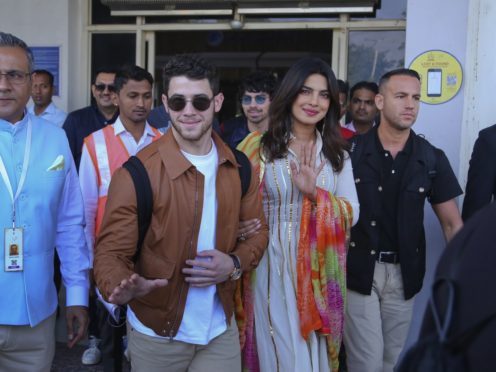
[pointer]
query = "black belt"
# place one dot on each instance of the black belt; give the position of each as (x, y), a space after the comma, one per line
(388, 257)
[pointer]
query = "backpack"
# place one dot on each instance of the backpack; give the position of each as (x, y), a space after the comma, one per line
(144, 194)
(438, 352)
(144, 200)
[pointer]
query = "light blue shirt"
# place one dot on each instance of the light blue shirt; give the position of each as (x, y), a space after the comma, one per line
(50, 210)
(52, 114)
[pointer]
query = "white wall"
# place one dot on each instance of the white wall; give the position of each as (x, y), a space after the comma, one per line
(480, 102)
(79, 77)
(464, 28)
(52, 23)
(441, 25)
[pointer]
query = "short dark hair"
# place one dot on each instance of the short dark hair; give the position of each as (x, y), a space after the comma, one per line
(258, 81)
(369, 85)
(103, 70)
(193, 67)
(11, 41)
(398, 72)
(44, 72)
(131, 72)
(343, 87)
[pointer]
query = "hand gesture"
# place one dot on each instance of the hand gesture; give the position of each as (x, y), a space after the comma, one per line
(135, 286)
(211, 271)
(305, 176)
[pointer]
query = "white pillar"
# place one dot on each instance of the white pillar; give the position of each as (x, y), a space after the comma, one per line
(464, 28)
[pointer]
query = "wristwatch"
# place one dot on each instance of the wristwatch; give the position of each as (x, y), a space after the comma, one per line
(236, 273)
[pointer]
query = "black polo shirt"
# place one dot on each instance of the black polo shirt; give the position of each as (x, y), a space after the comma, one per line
(392, 172)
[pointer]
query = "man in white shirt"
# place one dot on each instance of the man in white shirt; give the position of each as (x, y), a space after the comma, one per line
(103, 152)
(362, 107)
(42, 90)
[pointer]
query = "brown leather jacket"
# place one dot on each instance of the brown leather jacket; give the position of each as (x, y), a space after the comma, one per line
(172, 237)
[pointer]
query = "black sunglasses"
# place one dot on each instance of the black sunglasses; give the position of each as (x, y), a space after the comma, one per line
(101, 87)
(200, 102)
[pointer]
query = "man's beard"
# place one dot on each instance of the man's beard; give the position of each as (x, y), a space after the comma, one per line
(191, 136)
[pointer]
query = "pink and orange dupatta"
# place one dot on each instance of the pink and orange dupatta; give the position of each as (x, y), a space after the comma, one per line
(321, 269)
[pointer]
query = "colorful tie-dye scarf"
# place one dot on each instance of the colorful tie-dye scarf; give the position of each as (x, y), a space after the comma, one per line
(321, 268)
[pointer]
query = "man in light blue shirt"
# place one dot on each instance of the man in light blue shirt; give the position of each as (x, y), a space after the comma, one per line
(41, 208)
(42, 90)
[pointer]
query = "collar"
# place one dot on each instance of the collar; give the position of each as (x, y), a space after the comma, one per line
(6, 126)
(119, 128)
(351, 125)
(407, 149)
(50, 109)
(101, 117)
(177, 164)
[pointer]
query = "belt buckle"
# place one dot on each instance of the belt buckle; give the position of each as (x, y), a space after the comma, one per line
(395, 260)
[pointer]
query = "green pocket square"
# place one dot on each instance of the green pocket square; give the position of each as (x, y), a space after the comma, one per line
(58, 164)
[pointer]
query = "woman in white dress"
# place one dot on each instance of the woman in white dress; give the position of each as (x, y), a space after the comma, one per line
(296, 299)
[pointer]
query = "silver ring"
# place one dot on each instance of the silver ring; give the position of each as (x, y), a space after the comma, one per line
(242, 237)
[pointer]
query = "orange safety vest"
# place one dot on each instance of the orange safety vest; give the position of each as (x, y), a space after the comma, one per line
(108, 153)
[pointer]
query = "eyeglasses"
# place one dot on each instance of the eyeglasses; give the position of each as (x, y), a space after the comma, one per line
(259, 99)
(15, 77)
(200, 102)
(101, 87)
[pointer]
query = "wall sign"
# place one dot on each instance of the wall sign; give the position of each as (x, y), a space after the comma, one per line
(48, 58)
(441, 75)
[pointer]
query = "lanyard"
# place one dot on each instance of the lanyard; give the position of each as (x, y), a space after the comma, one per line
(24, 171)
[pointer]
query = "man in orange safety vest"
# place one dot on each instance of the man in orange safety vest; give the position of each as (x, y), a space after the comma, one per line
(104, 151)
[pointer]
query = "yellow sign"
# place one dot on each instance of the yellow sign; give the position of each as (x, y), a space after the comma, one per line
(441, 75)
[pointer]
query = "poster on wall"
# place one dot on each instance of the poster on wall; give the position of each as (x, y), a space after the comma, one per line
(441, 76)
(48, 58)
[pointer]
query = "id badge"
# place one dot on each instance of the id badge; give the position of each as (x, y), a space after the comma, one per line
(13, 249)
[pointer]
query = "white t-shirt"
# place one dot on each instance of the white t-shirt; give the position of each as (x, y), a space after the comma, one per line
(203, 317)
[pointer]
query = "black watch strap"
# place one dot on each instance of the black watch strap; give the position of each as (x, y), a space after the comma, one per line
(237, 264)
(236, 273)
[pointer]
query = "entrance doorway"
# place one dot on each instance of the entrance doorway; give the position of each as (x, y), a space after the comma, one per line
(237, 53)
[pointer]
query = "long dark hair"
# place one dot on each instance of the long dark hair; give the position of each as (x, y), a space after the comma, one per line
(275, 142)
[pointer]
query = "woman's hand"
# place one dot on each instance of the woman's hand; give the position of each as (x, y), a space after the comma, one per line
(305, 176)
(248, 228)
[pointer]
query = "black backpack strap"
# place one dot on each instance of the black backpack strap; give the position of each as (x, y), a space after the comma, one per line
(430, 155)
(244, 170)
(457, 343)
(442, 323)
(144, 198)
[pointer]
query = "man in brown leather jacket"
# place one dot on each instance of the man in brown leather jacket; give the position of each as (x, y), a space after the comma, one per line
(180, 292)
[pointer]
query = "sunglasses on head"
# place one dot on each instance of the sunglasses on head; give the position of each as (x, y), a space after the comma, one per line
(259, 99)
(200, 102)
(101, 87)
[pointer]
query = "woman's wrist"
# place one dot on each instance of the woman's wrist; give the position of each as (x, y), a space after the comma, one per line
(313, 195)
